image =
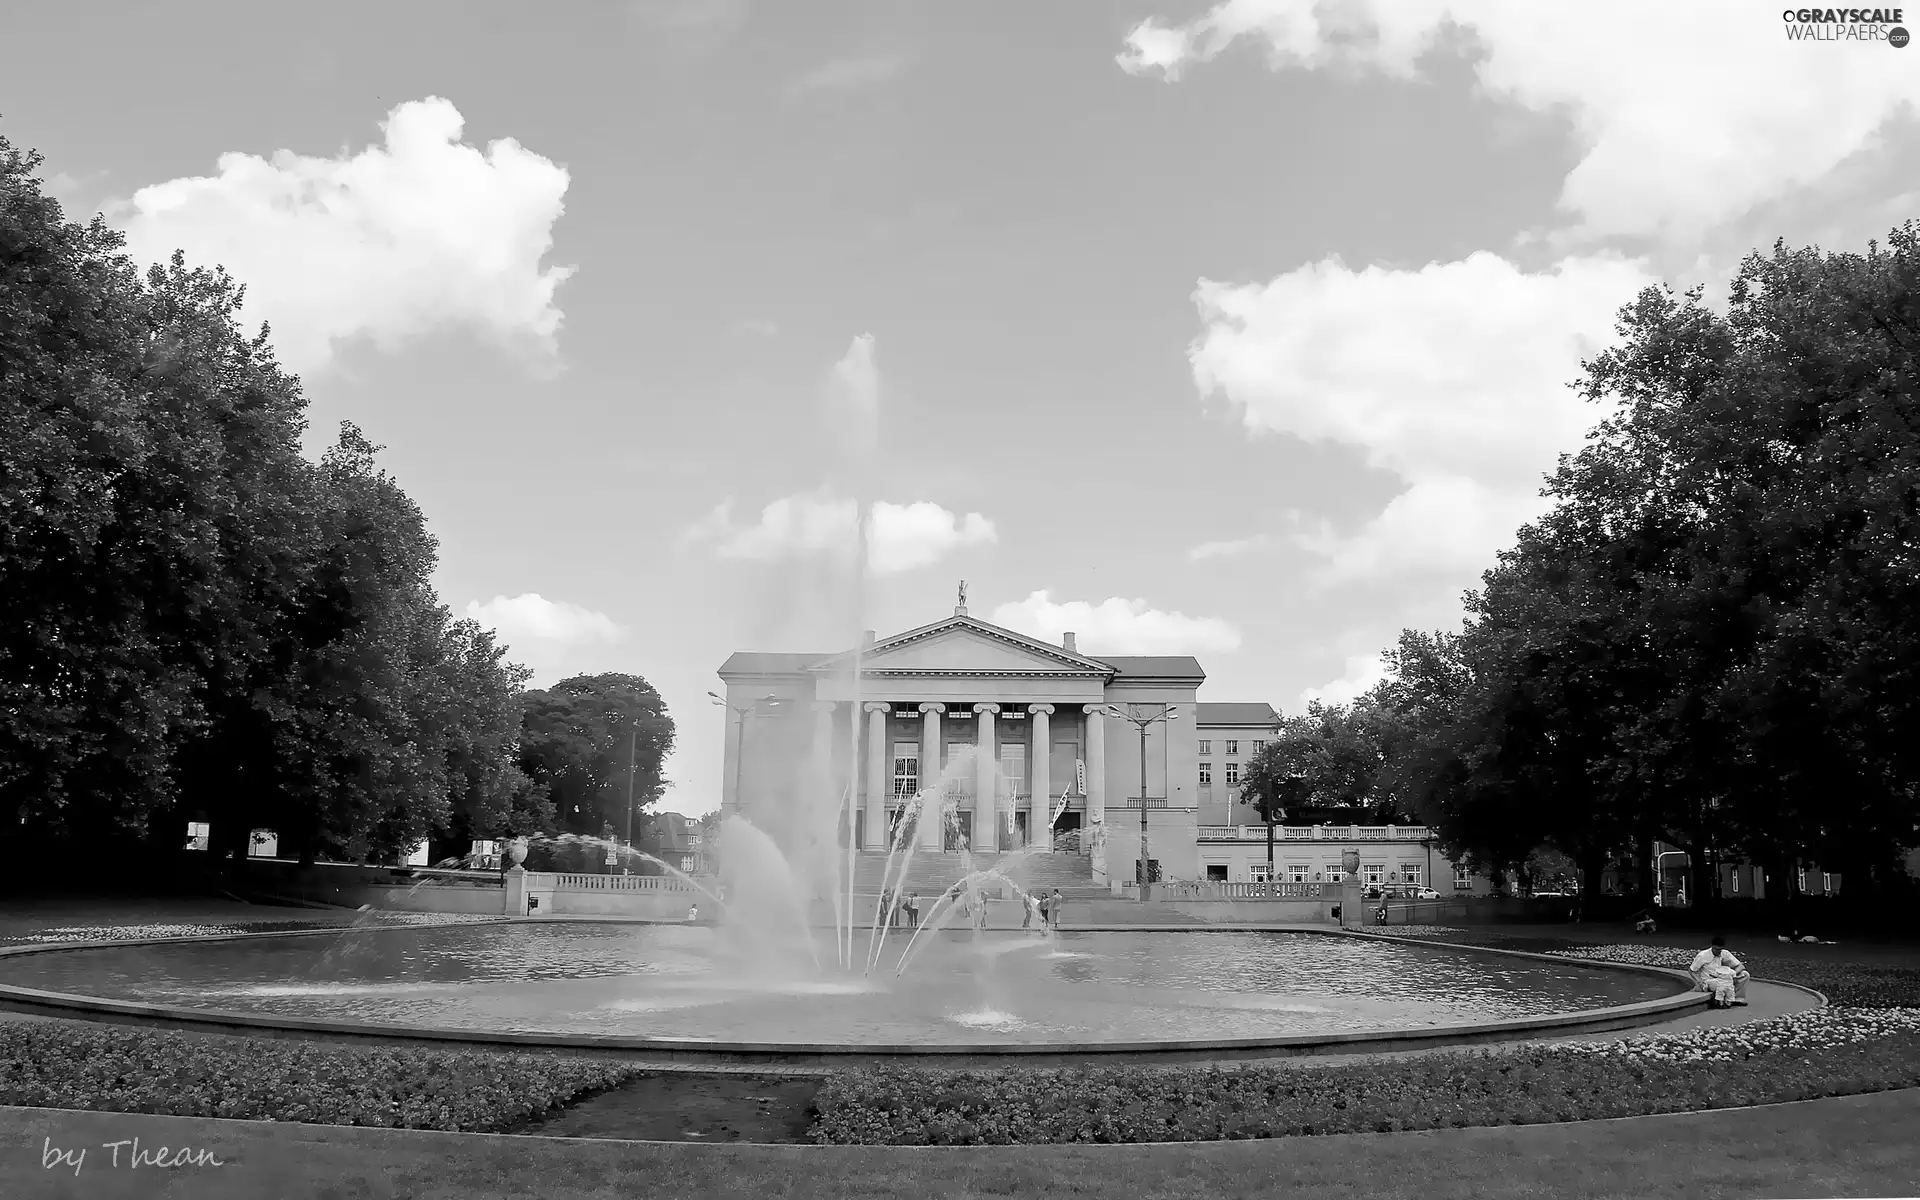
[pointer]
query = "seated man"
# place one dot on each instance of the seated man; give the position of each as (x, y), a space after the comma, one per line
(1718, 973)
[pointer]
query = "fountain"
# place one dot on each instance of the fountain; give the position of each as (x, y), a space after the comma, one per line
(757, 983)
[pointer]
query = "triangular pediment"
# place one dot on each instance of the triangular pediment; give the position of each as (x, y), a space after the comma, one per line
(964, 645)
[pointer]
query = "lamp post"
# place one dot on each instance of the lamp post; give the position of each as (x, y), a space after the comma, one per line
(1295, 780)
(740, 712)
(1167, 713)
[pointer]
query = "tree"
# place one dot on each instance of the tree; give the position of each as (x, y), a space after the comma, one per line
(196, 621)
(1713, 637)
(586, 738)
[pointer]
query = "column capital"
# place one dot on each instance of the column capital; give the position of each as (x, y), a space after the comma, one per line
(1040, 710)
(1094, 710)
(823, 706)
(879, 706)
(986, 709)
(933, 707)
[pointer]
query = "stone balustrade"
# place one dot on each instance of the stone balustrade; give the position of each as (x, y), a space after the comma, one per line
(1314, 833)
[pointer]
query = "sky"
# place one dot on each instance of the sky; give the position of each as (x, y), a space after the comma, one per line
(1240, 330)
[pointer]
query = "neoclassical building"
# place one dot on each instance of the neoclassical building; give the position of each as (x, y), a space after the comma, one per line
(1023, 728)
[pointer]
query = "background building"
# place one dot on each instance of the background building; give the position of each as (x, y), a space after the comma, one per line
(1051, 751)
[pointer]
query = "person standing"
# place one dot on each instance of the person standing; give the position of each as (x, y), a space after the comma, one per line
(1054, 903)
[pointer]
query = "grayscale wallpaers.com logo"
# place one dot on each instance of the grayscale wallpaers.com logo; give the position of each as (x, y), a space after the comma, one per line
(1845, 25)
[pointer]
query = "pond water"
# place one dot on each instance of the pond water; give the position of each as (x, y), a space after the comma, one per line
(692, 982)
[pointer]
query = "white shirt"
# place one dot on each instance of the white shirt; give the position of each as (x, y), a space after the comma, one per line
(1725, 965)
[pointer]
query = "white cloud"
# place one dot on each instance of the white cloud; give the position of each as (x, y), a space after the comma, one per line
(1453, 377)
(1117, 626)
(1362, 672)
(1687, 115)
(1231, 548)
(533, 617)
(419, 234)
(853, 397)
(849, 74)
(902, 537)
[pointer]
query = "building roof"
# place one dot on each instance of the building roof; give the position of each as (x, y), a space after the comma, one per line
(1236, 713)
(1157, 666)
(760, 662)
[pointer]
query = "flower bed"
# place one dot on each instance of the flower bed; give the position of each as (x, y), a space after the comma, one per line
(1764, 1062)
(54, 1064)
(1854, 985)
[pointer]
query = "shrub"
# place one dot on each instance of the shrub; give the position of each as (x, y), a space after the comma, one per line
(121, 1069)
(1524, 1085)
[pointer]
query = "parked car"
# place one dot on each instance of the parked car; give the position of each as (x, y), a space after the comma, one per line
(1425, 894)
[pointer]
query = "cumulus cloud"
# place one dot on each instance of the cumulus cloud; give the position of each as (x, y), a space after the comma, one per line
(531, 617)
(1117, 626)
(1229, 548)
(418, 234)
(1362, 672)
(1453, 377)
(902, 537)
(853, 397)
(1672, 139)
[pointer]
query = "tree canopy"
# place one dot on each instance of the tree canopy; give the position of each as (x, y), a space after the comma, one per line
(1712, 637)
(199, 623)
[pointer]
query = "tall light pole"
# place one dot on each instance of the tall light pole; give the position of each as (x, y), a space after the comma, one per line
(1141, 721)
(740, 712)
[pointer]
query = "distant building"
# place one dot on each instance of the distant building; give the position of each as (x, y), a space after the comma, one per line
(1051, 746)
(1229, 735)
(678, 840)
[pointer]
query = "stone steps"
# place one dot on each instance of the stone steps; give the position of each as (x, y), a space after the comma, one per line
(935, 871)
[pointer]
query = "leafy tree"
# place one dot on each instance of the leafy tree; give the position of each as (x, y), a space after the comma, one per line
(581, 738)
(194, 619)
(1713, 639)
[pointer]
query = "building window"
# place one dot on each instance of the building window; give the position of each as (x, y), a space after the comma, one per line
(1259, 744)
(1373, 874)
(1257, 872)
(906, 768)
(1296, 872)
(1410, 873)
(1736, 881)
(1206, 774)
(1803, 880)
(1826, 882)
(1462, 878)
(1233, 746)
(1013, 767)
(1206, 746)
(1233, 772)
(199, 835)
(1216, 872)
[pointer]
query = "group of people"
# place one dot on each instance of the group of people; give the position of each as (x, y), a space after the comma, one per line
(973, 907)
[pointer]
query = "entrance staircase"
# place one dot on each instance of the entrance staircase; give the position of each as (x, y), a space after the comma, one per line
(934, 871)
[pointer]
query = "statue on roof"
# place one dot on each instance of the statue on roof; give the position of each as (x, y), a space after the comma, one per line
(963, 593)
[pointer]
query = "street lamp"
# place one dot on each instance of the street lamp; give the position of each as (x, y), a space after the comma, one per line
(1167, 713)
(740, 712)
(1295, 780)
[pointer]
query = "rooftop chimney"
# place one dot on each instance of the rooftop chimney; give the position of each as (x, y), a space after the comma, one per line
(1066, 643)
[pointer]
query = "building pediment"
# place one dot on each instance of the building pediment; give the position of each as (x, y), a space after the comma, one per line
(966, 646)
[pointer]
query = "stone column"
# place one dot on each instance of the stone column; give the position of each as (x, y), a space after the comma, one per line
(879, 778)
(826, 794)
(1040, 750)
(933, 829)
(986, 781)
(1097, 789)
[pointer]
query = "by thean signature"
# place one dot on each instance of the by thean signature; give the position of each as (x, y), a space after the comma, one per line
(53, 1157)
